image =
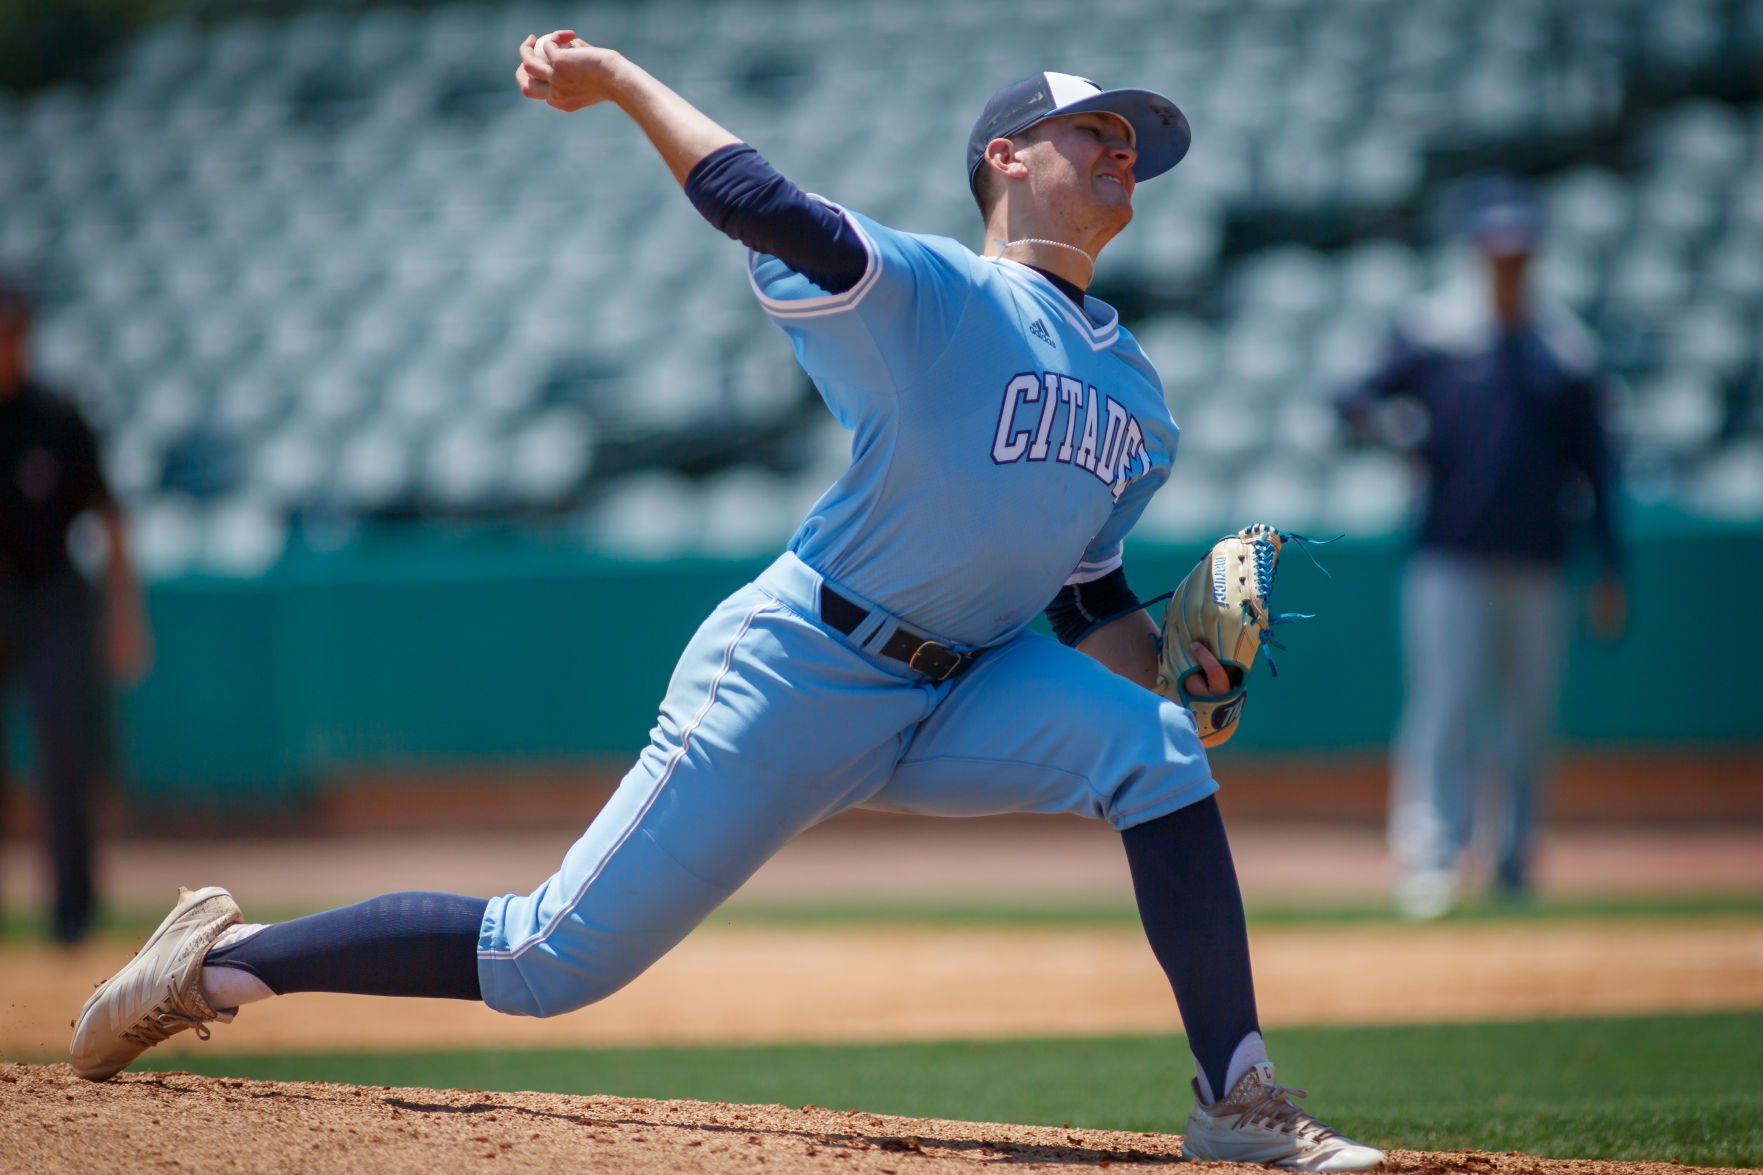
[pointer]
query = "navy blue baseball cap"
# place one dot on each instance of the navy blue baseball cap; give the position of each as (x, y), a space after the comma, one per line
(1160, 131)
(1501, 214)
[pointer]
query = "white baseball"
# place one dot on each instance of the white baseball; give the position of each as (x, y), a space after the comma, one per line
(543, 46)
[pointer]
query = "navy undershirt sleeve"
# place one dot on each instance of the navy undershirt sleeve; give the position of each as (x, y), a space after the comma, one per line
(745, 197)
(1081, 608)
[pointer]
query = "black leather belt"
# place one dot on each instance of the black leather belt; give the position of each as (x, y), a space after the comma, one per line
(934, 659)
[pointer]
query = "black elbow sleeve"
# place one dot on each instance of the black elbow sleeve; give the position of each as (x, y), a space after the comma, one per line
(1080, 608)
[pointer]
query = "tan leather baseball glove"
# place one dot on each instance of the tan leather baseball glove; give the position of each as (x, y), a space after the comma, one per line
(1222, 603)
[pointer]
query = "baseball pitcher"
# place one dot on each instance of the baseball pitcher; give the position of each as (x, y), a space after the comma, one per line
(1006, 434)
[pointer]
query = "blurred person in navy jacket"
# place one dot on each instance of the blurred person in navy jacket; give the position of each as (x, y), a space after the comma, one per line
(1510, 425)
(56, 632)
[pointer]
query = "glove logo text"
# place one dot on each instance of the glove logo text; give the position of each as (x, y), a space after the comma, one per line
(1226, 715)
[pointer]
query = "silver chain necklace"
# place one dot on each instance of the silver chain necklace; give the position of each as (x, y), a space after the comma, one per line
(1045, 241)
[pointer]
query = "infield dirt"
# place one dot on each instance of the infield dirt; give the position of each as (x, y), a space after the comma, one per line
(51, 1121)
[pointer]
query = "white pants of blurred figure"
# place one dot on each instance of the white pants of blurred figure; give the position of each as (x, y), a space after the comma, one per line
(1482, 648)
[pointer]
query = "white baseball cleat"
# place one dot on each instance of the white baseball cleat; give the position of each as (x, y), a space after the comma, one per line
(1257, 1123)
(159, 993)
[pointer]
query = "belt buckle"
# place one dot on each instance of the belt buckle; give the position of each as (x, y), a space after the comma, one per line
(946, 661)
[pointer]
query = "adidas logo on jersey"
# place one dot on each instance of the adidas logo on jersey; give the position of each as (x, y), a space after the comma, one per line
(1039, 330)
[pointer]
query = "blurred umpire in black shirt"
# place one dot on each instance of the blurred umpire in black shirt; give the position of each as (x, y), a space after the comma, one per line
(57, 633)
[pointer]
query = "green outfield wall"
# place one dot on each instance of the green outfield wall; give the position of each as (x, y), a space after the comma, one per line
(454, 650)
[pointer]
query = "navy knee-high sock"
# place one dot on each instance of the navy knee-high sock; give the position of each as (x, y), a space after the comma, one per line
(413, 944)
(1192, 909)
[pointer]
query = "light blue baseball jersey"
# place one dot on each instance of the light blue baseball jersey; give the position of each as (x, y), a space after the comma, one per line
(984, 476)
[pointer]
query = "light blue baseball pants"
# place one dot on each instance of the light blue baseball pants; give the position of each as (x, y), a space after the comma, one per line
(773, 722)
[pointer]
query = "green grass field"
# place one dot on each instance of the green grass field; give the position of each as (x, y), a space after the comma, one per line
(1684, 1088)
(27, 927)
(1675, 907)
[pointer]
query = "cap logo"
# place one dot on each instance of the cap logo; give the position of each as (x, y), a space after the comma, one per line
(1033, 105)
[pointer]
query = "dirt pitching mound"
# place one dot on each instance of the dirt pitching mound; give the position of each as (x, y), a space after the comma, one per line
(51, 1121)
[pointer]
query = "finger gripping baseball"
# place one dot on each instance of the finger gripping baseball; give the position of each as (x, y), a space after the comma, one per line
(1222, 603)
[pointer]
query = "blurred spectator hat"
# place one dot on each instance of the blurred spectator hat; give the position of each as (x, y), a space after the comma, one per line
(1500, 213)
(1160, 130)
